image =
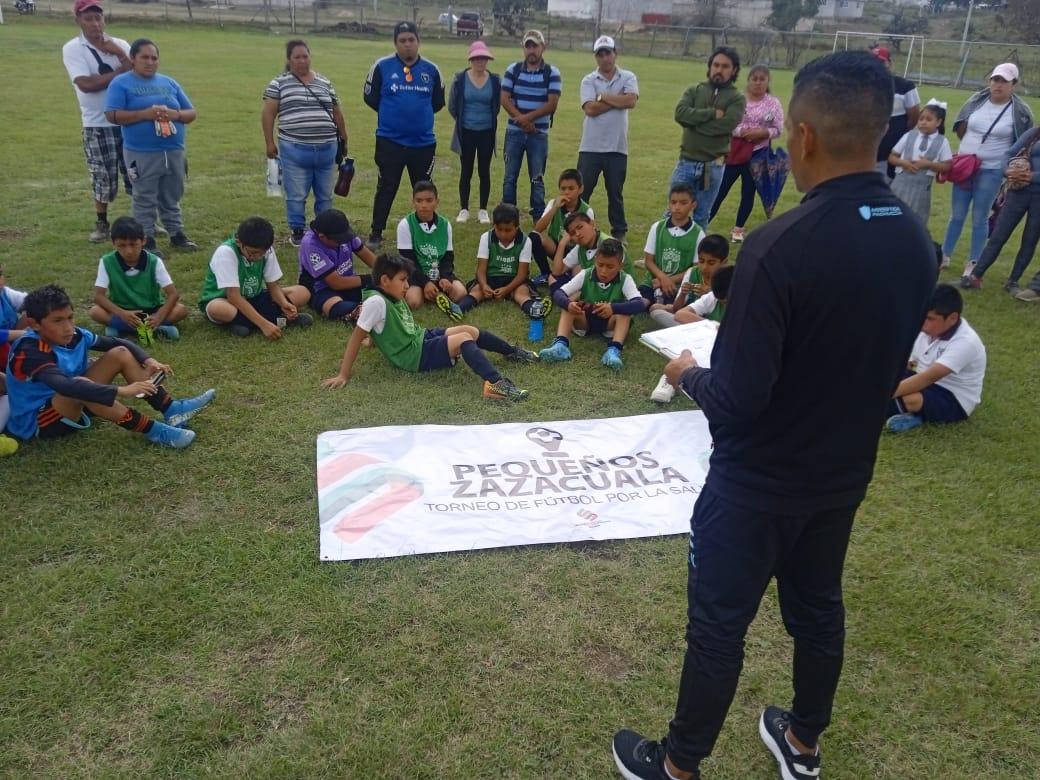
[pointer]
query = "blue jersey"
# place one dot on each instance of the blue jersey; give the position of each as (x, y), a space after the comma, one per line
(130, 92)
(8, 313)
(406, 98)
(29, 355)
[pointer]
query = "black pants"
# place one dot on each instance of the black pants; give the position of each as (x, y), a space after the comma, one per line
(391, 159)
(479, 144)
(734, 553)
(747, 192)
(614, 167)
(538, 254)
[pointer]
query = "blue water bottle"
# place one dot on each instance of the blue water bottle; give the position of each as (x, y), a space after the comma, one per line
(535, 329)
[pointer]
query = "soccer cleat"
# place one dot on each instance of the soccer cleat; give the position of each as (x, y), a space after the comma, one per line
(303, 320)
(638, 758)
(296, 236)
(541, 280)
(8, 446)
(503, 390)
(898, 423)
(112, 333)
(101, 232)
(483, 218)
(612, 359)
(168, 436)
(449, 307)
(555, 353)
(463, 216)
(772, 728)
(1028, 295)
(664, 392)
(522, 355)
(180, 241)
(168, 332)
(237, 329)
(547, 305)
(179, 412)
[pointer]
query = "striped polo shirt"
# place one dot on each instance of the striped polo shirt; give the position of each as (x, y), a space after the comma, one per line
(304, 117)
(531, 89)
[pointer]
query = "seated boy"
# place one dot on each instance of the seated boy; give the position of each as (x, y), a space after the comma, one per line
(597, 300)
(586, 238)
(54, 389)
(943, 382)
(712, 254)
(671, 246)
(387, 318)
(327, 253)
(503, 264)
(241, 289)
(704, 308)
(130, 288)
(549, 239)
(425, 238)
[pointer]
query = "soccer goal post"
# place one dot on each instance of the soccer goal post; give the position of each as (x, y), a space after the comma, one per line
(852, 39)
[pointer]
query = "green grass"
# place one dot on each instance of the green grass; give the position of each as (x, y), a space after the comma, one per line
(165, 614)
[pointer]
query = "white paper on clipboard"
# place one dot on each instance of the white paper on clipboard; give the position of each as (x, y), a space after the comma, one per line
(698, 337)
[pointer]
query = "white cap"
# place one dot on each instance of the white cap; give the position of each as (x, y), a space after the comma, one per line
(604, 42)
(1006, 70)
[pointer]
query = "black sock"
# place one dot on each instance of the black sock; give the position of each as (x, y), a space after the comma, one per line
(525, 307)
(538, 253)
(160, 401)
(467, 302)
(102, 216)
(134, 421)
(489, 341)
(616, 344)
(478, 362)
(562, 340)
(341, 309)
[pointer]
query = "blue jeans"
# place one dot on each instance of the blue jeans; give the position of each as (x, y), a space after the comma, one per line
(306, 167)
(536, 145)
(692, 172)
(980, 197)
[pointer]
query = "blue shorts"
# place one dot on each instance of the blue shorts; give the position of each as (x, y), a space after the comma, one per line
(939, 406)
(435, 353)
(319, 298)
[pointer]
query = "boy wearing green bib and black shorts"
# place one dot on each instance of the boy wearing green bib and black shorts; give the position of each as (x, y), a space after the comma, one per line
(586, 239)
(549, 240)
(241, 289)
(503, 266)
(386, 318)
(424, 237)
(671, 246)
(601, 299)
(134, 287)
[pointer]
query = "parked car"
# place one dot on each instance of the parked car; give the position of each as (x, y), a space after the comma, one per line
(448, 20)
(469, 23)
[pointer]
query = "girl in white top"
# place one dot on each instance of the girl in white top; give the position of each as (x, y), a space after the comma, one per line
(918, 156)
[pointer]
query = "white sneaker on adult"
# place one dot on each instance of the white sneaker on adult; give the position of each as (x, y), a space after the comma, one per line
(483, 218)
(463, 216)
(946, 261)
(736, 234)
(664, 392)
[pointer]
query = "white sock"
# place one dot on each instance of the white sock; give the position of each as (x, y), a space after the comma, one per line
(795, 751)
(5, 411)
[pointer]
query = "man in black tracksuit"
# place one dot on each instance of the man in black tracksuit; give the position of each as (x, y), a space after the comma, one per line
(824, 306)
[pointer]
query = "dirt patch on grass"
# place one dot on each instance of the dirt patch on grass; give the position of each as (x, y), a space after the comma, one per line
(13, 234)
(607, 661)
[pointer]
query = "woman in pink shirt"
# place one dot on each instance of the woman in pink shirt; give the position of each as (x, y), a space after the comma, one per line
(763, 121)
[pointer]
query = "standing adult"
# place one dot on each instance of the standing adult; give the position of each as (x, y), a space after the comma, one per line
(988, 124)
(311, 128)
(906, 108)
(797, 294)
(92, 60)
(707, 113)
(762, 122)
(607, 95)
(405, 91)
(531, 90)
(154, 113)
(474, 102)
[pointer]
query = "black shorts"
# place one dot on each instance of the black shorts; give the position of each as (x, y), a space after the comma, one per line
(435, 353)
(939, 405)
(414, 279)
(51, 425)
(264, 305)
(494, 282)
(319, 298)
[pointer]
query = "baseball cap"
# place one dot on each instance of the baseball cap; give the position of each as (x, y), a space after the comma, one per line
(405, 27)
(604, 42)
(534, 35)
(86, 5)
(334, 224)
(881, 53)
(1006, 70)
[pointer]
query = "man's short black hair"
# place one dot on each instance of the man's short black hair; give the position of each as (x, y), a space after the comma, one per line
(731, 54)
(255, 232)
(505, 214)
(847, 98)
(575, 216)
(127, 228)
(390, 264)
(571, 174)
(714, 245)
(946, 300)
(42, 301)
(425, 186)
(721, 280)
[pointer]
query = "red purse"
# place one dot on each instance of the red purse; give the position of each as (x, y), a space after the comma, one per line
(740, 151)
(962, 170)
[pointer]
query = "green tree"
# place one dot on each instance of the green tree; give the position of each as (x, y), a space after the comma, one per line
(787, 13)
(906, 22)
(1025, 19)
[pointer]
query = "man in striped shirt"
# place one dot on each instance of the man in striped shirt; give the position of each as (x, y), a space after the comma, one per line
(530, 93)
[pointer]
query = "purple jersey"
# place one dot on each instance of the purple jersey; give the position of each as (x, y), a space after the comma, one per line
(318, 260)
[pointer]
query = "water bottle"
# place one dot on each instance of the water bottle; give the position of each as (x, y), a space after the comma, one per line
(658, 295)
(536, 329)
(434, 274)
(274, 179)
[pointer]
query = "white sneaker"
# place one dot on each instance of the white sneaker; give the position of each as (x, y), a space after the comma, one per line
(968, 268)
(463, 216)
(946, 261)
(736, 234)
(664, 392)
(482, 217)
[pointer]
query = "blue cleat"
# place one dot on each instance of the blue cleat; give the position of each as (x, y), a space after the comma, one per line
(168, 332)
(556, 353)
(179, 412)
(898, 423)
(612, 359)
(168, 436)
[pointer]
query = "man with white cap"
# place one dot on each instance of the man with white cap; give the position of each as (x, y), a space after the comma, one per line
(531, 91)
(92, 60)
(607, 95)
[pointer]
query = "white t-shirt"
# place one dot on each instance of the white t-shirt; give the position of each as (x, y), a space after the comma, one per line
(80, 62)
(404, 235)
(224, 265)
(992, 152)
(675, 230)
(16, 297)
(901, 102)
(628, 289)
(704, 305)
(373, 314)
(964, 354)
(162, 276)
(484, 250)
(945, 153)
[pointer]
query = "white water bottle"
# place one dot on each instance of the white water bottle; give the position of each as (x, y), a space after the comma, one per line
(274, 178)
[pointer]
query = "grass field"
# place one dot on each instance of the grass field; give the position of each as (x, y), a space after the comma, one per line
(165, 614)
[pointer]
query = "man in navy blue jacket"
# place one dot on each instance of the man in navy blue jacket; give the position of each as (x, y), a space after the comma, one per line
(824, 307)
(405, 91)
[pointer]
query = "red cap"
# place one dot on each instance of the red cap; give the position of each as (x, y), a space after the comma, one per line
(85, 5)
(881, 53)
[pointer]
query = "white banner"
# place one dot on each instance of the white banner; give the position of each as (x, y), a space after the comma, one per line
(406, 490)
